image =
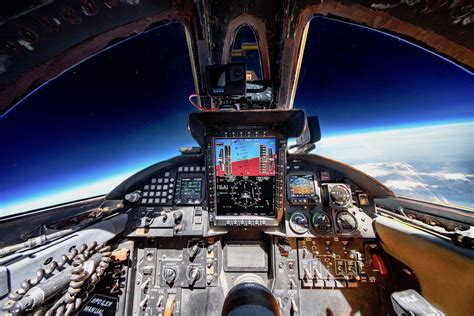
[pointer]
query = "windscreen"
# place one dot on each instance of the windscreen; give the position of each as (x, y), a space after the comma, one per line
(83, 133)
(394, 110)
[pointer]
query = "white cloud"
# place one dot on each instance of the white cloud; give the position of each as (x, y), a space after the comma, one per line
(404, 185)
(381, 169)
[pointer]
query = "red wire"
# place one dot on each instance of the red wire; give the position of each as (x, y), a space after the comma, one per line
(196, 105)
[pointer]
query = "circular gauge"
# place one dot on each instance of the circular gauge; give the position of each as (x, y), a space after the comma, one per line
(299, 223)
(321, 222)
(340, 195)
(245, 193)
(346, 223)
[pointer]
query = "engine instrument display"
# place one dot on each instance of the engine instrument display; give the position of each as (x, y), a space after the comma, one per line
(245, 171)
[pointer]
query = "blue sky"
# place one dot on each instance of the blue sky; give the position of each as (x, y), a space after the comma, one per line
(99, 120)
(356, 79)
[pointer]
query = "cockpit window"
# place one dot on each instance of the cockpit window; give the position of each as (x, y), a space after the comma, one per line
(245, 49)
(391, 109)
(84, 132)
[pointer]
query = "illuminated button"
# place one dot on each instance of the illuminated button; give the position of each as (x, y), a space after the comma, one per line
(153, 180)
(160, 180)
(170, 197)
(150, 200)
(152, 193)
(163, 200)
(158, 187)
(152, 187)
(158, 193)
(170, 191)
(180, 169)
(147, 187)
(167, 174)
(165, 187)
(186, 169)
(191, 168)
(166, 180)
(145, 193)
(203, 168)
(157, 201)
(171, 185)
(171, 179)
(143, 201)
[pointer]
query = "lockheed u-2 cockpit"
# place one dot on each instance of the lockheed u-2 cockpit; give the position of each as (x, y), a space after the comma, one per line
(251, 218)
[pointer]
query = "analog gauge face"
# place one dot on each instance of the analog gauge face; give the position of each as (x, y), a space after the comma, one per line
(299, 223)
(245, 193)
(340, 195)
(345, 222)
(321, 222)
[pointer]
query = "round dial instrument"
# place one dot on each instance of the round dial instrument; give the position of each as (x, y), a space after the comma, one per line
(321, 222)
(340, 195)
(346, 222)
(245, 193)
(299, 223)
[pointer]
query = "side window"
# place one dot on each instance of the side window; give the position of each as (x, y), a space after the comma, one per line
(84, 132)
(391, 109)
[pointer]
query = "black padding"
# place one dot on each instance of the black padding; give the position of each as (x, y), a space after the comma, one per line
(249, 299)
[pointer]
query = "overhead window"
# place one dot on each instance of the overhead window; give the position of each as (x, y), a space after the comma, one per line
(245, 49)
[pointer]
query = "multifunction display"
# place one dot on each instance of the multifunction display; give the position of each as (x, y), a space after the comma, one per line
(302, 186)
(245, 171)
(302, 189)
(190, 189)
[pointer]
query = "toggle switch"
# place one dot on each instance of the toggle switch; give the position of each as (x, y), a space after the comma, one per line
(159, 303)
(144, 301)
(292, 283)
(145, 284)
(294, 306)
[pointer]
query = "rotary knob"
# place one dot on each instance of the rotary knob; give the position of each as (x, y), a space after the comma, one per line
(177, 216)
(194, 274)
(133, 196)
(170, 274)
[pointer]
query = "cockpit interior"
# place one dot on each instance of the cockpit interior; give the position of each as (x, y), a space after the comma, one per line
(250, 219)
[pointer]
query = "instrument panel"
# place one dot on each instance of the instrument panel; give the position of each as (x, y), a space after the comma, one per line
(324, 204)
(240, 188)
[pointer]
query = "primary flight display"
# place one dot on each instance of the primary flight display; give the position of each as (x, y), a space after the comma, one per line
(245, 175)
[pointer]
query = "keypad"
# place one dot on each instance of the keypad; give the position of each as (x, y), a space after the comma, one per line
(160, 189)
